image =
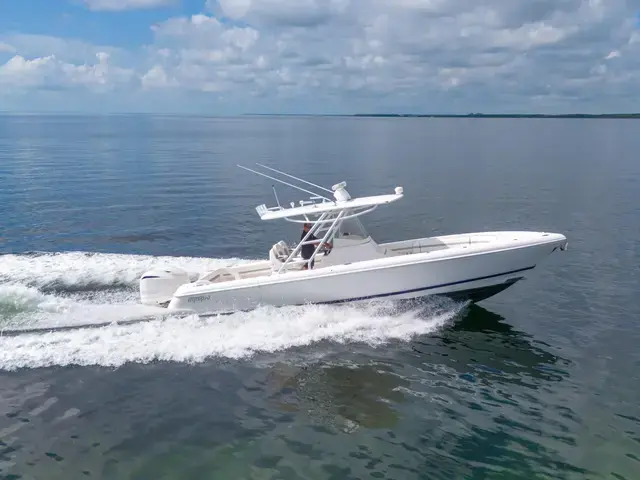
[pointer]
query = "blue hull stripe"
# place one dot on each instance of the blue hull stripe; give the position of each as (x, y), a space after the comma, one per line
(382, 295)
(432, 287)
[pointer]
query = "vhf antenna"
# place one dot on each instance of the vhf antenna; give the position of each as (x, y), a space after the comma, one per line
(276, 195)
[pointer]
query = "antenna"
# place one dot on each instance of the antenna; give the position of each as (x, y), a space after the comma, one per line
(276, 195)
(295, 178)
(285, 183)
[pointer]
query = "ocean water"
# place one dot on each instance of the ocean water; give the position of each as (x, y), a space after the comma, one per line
(540, 381)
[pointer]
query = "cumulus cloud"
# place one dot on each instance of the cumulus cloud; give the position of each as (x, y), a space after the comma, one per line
(415, 50)
(66, 49)
(232, 8)
(282, 13)
(157, 77)
(374, 55)
(51, 73)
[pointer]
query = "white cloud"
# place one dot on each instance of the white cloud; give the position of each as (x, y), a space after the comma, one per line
(27, 73)
(300, 13)
(65, 49)
(232, 8)
(5, 47)
(50, 73)
(355, 55)
(157, 77)
(242, 38)
(116, 5)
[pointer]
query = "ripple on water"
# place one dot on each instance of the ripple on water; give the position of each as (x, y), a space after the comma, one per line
(315, 393)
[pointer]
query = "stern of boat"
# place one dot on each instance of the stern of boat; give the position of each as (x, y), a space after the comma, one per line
(158, 285)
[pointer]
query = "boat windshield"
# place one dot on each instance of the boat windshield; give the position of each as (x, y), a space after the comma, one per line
(352, 228)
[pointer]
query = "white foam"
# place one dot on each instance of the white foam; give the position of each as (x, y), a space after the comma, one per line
(80, 270)
(15, 297)
(27, 307)
(77, 288)
(194, 339)
(61, 289)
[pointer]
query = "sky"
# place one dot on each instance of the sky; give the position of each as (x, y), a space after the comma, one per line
(320, 56)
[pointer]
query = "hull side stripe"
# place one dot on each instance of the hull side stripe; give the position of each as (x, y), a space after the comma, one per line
(401, 292)
(432, 287)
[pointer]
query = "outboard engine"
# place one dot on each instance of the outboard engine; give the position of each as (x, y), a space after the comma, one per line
(157, 286)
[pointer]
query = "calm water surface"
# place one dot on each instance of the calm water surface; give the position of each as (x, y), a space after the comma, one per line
(539, 382)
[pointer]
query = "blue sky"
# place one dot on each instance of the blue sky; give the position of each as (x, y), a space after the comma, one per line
(319, 56)
(73, 19)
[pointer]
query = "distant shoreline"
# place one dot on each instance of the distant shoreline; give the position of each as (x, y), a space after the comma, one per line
(343, 115)
(444, 115)
(497, 115)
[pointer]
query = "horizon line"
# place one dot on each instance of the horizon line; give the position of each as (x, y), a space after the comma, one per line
(283, 114)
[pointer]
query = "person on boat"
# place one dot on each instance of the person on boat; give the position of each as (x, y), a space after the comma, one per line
(309, 248)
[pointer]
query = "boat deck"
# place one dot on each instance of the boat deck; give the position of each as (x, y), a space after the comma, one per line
(367, 249)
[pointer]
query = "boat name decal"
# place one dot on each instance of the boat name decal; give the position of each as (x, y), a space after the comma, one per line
(201, 298)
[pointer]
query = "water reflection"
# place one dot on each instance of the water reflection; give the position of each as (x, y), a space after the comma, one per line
(482, 373)
(337, 395)
(483, 345)
(432, 407)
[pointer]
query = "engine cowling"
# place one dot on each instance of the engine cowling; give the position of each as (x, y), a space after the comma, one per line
(158, 285)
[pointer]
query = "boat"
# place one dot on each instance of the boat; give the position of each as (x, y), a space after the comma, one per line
(347, 264)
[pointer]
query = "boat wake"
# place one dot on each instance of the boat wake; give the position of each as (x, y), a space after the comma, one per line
(83, 309)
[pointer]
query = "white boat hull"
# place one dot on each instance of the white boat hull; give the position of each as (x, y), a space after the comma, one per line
(475, 272)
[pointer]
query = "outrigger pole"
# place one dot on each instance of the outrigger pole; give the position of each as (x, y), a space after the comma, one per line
(295, 178)
(316, 226)
(316, 195)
